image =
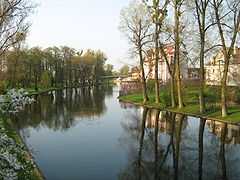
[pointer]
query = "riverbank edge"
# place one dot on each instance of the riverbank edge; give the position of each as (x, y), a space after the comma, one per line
(37, 173)
(50, 89)
(179, 111)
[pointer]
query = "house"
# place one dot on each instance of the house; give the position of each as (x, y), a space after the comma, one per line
(214, 69)
(135, 73)
(194, 73)
(163, 72)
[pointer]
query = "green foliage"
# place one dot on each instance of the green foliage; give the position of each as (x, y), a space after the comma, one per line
(165, 97)
(212, 94)
(238, 95)
(109, 70)
(124, 70)
(3, 87)
(45, 79)
(151, 86)
(54, 66)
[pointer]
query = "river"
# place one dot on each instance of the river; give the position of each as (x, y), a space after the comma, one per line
(87, 134)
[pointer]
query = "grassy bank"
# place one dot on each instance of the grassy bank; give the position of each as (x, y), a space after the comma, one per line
(190, 95)
(15, 147)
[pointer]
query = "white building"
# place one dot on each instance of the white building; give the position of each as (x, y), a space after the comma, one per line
(163, 73)
(214, 69)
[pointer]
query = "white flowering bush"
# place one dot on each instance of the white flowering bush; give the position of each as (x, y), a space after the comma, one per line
(14, 101)
(13, 163)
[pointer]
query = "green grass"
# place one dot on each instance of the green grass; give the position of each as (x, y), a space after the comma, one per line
(190, 96)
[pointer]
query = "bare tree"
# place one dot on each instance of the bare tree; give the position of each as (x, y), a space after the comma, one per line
(177, 5)
(135, 24)
(159, 13)
(13, 22)
(227, 17)
(201, 7)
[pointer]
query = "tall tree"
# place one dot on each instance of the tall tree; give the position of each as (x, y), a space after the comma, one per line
(124, 70)
(227, 17)
(13, 21)
(171, 70)
(177, 5)
(159, 14)
(135, 24)
(201, 7)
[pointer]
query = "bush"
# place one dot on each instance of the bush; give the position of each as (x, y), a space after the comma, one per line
(165, 97)
(151, 85)
(238, 96)
(45, 80)
(3, 87)
(212, 94)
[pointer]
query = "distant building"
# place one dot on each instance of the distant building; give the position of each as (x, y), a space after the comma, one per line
(194, 73)
(163, 72)
(214, 69)
(135, 73)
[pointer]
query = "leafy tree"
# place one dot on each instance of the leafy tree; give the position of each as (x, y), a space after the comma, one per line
(124, 70)
(135, 24)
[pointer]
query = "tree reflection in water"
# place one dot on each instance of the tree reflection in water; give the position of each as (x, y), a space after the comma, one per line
(60, 110)
(164, 145)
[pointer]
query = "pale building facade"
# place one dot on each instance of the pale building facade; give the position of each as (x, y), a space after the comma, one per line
(163, 72)
(214, 69)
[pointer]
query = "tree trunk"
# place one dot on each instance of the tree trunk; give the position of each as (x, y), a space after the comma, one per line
(223, 97)
(143, 79)
(224, 86)
(157, 99)
(156, 163)
(173, 101)
(177, 56)
(202, 77)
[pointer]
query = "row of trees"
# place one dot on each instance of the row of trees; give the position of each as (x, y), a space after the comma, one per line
(35, 67)
(188, 24)
(53, 67)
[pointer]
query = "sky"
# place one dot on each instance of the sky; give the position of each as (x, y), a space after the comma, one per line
(81, 24)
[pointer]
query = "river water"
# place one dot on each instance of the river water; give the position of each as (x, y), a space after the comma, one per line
(86, 134)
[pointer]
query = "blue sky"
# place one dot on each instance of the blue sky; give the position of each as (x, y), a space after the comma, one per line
(80, 24)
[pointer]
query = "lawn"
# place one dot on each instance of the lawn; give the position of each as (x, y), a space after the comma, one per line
(190, 96)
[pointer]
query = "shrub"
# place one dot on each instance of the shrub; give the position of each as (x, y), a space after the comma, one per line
(165, 97)
(212, 94)
(151, 85)
(238, 96)
(3, 87)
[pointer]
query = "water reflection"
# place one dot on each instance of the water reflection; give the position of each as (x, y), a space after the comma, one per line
(166, 145)
(61, 110)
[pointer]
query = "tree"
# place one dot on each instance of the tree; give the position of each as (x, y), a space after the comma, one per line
(158, 16)
(124, 70)
(201, 7)
(177, 4)
(227, 19)
(109, 70)
(135, 24)
(13, 22)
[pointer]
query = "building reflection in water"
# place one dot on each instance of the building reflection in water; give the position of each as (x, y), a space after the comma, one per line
(232, 133)
(166, 145)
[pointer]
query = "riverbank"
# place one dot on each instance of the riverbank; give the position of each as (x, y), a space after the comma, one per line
(32, 92)
(18, 162)
(192, 109)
